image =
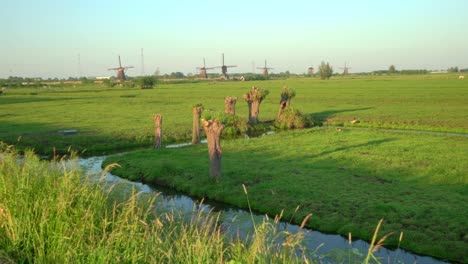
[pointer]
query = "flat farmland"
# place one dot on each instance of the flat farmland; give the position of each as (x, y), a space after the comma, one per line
(112, 119)
(348, 178)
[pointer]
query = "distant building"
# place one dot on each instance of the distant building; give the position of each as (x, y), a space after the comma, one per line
(310, 71)
(103, 78)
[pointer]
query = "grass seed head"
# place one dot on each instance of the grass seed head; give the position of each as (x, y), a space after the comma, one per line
(245, 189)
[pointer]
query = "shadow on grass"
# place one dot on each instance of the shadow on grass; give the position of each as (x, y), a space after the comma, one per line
(324, 115)
(367, 144)
(346, 193)
(47, 140)
(32, 99)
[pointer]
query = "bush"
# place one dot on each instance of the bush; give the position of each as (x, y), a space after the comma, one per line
(147, 82)
(292, 118)
(129, 84)
(234, 125)
(254, 77)
(109, 83)
(212, 115)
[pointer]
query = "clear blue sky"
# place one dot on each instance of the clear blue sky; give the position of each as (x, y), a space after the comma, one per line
(43, 38)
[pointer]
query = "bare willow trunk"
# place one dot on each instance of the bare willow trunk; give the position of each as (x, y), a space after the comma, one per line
(249, 104)
(213, 130)
(157, 131)
(255, 109)
(286, 95)
(197, 111)
(230, 105)
(284, 104)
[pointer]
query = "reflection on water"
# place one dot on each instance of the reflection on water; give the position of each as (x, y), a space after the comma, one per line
(329, 247)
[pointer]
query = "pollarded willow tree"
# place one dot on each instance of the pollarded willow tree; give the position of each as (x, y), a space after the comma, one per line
(196, 111)
(286, 95)
(157, 118)
(212, 124)
(230, 105)
(254, 97)
(288, 117)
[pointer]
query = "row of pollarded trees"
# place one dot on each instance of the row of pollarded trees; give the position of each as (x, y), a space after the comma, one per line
(215, 122)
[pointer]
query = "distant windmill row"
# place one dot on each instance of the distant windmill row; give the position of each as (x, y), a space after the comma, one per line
(224, 75)
(203, 70)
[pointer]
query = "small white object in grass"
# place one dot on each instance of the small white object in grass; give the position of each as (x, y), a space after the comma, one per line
(354, 121)
(69, 132)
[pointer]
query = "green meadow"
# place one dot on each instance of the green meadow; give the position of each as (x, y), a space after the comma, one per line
(50, 213)
(348, 179)
(113, 119)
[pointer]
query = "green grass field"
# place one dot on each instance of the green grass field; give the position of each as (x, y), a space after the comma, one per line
(347, 179)
(51, 214)
(111, 119)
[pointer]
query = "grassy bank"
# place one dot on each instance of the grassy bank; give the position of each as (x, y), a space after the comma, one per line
(348, 179)
(113, 119)
(50, 214)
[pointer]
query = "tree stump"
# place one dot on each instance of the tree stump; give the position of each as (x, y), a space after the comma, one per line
(254, 97)
(230, 105)
(157, 130)
(196, 111)
(213, 130)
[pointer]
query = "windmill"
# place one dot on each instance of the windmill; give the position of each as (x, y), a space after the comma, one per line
(345, 69)
(224, 74)
(265, 70)
(120, 71)
(203, 69)
(310, 71)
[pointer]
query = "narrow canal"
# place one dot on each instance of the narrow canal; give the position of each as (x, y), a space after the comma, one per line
(328, 248)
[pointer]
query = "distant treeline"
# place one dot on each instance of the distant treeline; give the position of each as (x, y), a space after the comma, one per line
(15, 81)
(411, 72)
(455, 69)
(402, 72)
